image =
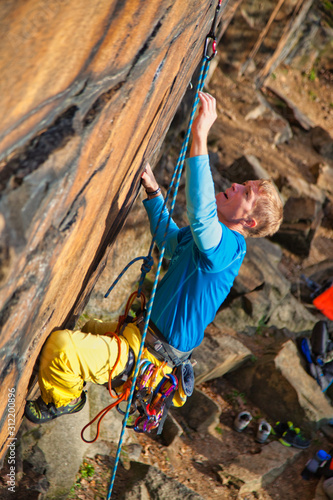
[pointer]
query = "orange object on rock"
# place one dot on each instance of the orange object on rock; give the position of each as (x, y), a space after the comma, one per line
(324, 302)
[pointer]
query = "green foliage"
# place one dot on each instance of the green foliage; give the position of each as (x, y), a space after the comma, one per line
(273, 76)
(131, 419)
(328, 5)
(312, 75)
(261, 325)
(72, 493)
(234, 396)
(218, 429)
(87, 470)
(253, 358)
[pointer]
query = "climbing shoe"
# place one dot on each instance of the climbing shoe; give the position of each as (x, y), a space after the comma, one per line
(281, 427)
(264, 430)
(39, 412)
(242, 421)
(293, 437)
(290, 435)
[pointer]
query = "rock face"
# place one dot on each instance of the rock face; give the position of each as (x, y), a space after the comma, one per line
(88, 91)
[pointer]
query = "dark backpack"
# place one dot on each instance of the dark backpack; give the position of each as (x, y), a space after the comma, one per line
(318, 353)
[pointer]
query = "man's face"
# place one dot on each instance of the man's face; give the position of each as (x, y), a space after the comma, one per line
(237, 202)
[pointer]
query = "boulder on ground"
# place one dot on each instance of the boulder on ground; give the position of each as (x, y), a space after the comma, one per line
(291, 112)
(200, 412)
(244, 168)
(279, 384)
(322, 142)
(251, 472)
(54, 457)
(218, 354)
(146, 481)
(261, 294)
(301, 209)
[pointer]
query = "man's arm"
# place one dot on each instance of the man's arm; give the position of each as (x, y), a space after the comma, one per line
(150, 183)
(202, 124)
(153, 208)
(200, 192)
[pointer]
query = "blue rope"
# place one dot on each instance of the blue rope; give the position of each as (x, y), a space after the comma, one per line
(145, 268)
(175, 178)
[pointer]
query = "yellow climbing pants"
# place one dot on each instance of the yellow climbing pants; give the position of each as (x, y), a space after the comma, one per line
(70, 358)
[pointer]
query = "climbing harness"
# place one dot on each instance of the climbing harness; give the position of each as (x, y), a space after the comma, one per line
(152, 404)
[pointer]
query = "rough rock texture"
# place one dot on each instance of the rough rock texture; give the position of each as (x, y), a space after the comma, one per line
(87, 92)
(295, 392)
(146, 481)
(55, 464)
(253, 301)
(200, 412)
(251, 472)
(132, 241)
(217, 355)
(261, 294)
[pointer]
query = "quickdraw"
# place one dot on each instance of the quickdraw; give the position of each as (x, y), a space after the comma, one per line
(151, 404)
(210, 42)
(148, 401)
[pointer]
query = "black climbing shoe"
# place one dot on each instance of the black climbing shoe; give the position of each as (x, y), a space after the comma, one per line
(293, 437)
(281, 427)
(290, 435)
(39, 412)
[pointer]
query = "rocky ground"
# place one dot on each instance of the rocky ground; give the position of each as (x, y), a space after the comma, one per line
(195, 459)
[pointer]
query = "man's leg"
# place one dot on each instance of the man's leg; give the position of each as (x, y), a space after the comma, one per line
(68, 360)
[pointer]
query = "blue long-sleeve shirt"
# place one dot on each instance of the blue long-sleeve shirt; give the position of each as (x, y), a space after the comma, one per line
(205, 259)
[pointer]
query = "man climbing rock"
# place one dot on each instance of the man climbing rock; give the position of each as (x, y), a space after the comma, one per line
(205, 259)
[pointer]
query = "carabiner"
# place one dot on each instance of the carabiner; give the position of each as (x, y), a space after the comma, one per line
(210, 43)
(211, 38)
(123, 412)
(170, 380)
(138, 421)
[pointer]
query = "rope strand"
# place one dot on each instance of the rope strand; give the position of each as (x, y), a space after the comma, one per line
(175, 177)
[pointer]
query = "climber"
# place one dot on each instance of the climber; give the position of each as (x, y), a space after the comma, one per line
(205, 259)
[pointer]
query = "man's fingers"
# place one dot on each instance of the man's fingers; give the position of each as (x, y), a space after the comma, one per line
(147, 169)
(207, 99)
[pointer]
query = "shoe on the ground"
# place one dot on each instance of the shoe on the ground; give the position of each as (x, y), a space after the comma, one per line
(281, 427)
(264, 430)
(293, 437)
(242, 420)
(39, 412)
